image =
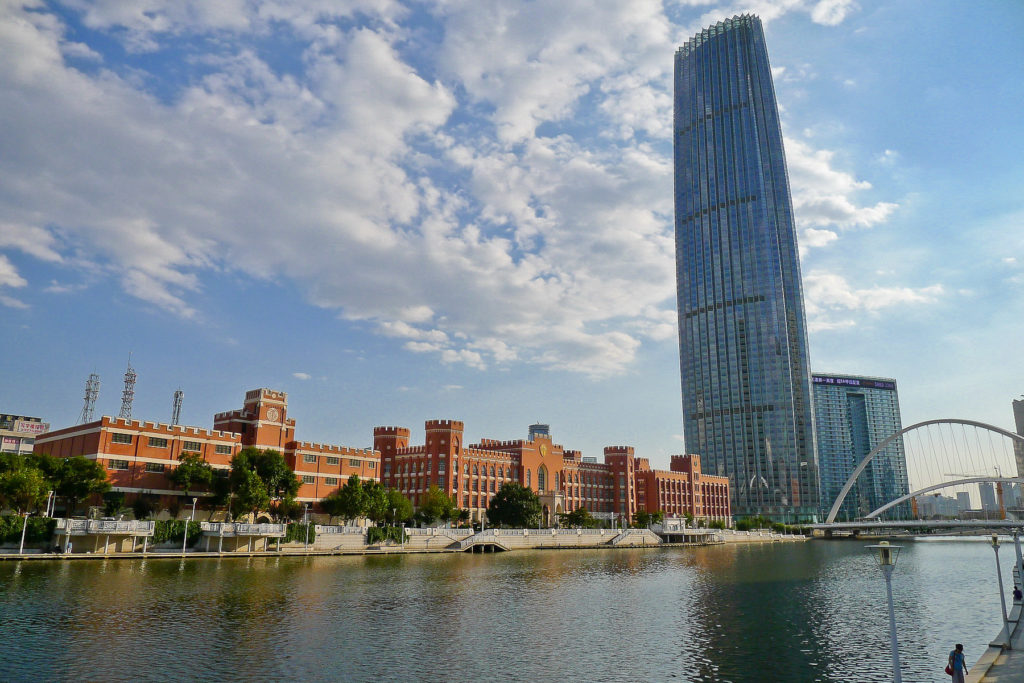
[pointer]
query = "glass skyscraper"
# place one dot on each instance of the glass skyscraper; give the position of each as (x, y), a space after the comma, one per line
(742, 333)
(852, 416)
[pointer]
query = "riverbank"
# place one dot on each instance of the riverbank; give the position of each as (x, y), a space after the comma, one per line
(484, 542)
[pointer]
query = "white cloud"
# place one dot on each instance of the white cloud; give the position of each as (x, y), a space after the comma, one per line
(825, 196)
(495, 236)
(302, 375)
(828, 295)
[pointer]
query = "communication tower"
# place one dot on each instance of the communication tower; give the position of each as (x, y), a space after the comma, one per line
(92, 392)
(179, 395)
(129, 391)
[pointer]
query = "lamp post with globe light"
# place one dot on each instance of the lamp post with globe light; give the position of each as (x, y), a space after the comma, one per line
(1002, 595)
(885, 556)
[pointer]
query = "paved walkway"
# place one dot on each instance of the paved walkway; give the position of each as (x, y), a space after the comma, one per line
(999, 663)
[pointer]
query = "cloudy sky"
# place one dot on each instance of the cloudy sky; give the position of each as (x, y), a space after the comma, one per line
(398, 211)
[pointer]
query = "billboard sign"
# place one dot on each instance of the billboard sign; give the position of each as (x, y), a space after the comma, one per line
(855, 382)
(30, 427)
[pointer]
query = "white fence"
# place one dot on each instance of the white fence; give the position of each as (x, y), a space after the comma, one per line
(228, 529)
(83, 527)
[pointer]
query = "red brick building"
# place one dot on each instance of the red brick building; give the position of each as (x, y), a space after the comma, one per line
(473, 473)
(139, 455)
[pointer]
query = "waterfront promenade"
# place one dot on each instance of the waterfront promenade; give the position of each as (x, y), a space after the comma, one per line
(998, 663)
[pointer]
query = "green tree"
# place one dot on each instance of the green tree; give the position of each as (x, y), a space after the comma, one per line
(250, 494)
(279, 479)
(144, 506)
(436, 505)
(288, 508)
(23, 489)
(113, 501)
(191, 471)
(376, 503)
(580, 517)
(78, 478)
(399, 506)
(347, 502)
(515, 506)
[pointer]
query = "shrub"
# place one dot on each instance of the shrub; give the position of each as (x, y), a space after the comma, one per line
(39, 529)
(380, 534)
(174, 530)
(297, 532)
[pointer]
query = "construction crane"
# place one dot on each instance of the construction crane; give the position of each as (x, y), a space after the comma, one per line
(999, 487)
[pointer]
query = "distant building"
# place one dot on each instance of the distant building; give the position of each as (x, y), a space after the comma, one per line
(934, 506)
(18, 432)
(473, 473)
(988, 496)
(1018, 420)
(853, 415)
(539, 430)
(963, 501)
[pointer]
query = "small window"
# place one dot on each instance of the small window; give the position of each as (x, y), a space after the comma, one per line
(157, 442)
(120, 438)
(331, 481)
(223, 450)
(118, 464)
(492, 470)
(352, 462)
(155, 467)
(306, 479)
(193, 446)
(371, 465)
(455, 482)
(440, 467)
(309, 457)
(331, 460)
(440, 482)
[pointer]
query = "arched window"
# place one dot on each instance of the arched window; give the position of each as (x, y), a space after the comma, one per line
(476, 469)
(467, 468)
(492, 470)
(527, 478)
(501, 472)
(542, 478)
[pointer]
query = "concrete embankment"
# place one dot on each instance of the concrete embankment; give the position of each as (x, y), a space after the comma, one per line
(430, 541)
(999, 662)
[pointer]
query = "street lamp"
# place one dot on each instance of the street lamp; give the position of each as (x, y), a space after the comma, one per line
(184, 541)
(886, 555)
(24, 525)
(305, 545)
(1002, 595)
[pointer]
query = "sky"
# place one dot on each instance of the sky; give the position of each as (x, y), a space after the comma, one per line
(401, 211)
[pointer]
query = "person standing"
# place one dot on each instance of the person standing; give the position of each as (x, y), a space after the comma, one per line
(957, 663)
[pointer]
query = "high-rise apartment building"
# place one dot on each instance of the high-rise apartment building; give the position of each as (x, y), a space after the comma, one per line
(746, 381)
(1018, 420)
(852, 416)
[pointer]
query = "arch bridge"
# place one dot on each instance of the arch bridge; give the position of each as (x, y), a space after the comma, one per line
(945, 459)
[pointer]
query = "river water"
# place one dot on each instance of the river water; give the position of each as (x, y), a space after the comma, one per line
(811, 611)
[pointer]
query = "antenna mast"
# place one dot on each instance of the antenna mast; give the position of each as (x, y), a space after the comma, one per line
(129, 391)
(176, 413)
(92, 392)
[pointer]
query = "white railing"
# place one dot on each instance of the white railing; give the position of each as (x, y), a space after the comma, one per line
(239, 529)
(327, 529)
(105, 526)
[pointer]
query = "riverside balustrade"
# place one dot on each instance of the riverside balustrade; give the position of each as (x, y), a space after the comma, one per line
(230, 529)
(89, 527)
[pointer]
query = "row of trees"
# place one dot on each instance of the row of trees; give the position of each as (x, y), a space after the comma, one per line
(27, 480)
(372, 500)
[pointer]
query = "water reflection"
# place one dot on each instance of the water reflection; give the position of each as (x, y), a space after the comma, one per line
(806, 612)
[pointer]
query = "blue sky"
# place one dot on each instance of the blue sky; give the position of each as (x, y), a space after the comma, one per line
(398, 211)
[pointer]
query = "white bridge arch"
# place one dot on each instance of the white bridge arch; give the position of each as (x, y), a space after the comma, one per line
(831, 518)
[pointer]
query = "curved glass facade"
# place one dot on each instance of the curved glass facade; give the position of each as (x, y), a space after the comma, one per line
(742, 332)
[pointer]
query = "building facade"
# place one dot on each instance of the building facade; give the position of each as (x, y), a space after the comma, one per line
(18, 432)
(1018, 422)
(139, 455)
(852, 416)
(742, 331)
(473, 473)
